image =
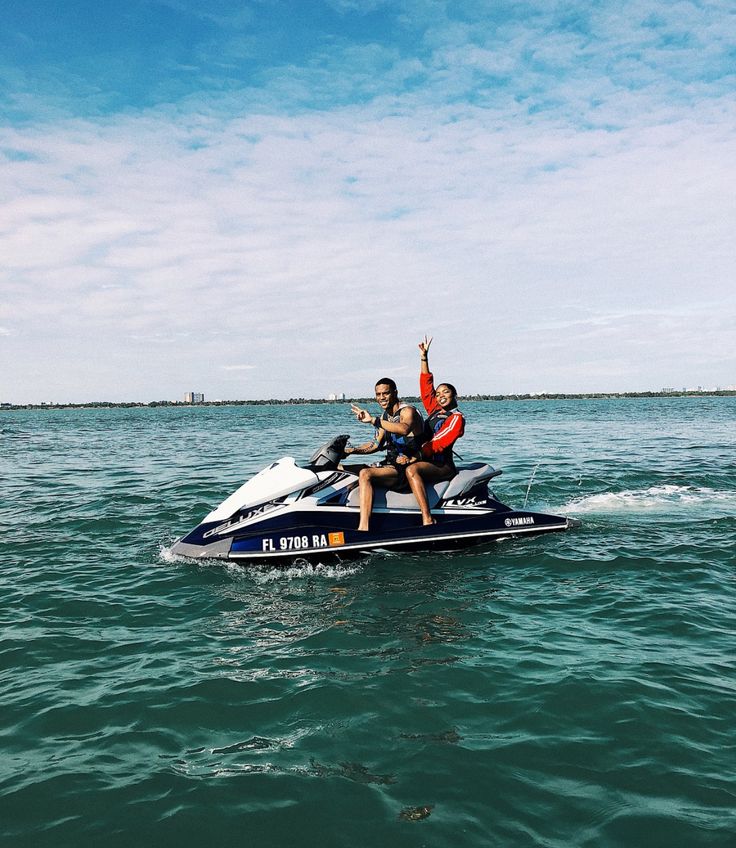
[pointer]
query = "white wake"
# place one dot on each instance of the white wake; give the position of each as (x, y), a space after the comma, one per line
(698, 501)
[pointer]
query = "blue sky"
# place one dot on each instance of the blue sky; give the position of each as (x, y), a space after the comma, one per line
(278, 199)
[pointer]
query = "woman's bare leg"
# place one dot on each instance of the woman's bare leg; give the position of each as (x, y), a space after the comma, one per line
(385, 476)
(416, 475)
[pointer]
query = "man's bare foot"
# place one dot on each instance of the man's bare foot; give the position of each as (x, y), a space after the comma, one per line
(428, 521)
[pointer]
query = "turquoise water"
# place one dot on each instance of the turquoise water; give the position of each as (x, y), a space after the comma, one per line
(570, 690)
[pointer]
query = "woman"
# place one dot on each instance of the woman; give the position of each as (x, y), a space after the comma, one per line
(443, 427)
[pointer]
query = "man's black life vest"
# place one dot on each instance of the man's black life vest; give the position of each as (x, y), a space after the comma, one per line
(396, 445)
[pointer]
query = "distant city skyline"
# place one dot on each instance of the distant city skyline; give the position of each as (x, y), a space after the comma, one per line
(274, 198)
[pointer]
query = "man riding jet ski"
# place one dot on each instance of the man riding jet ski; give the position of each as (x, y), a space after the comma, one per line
(289, 511)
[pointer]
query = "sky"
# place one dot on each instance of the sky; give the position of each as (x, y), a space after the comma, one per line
(279, 198)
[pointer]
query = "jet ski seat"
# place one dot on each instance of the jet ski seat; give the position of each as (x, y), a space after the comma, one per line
(467, 478)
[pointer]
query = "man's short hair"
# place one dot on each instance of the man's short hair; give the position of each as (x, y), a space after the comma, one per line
(387, 381)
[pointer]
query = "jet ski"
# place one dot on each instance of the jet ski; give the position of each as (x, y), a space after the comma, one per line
(289, 511)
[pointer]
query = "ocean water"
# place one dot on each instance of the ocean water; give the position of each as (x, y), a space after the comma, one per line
(576, 689)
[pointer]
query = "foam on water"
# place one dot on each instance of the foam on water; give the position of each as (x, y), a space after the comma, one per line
(298, 571)
(167, 556)
(264, 573)
(654, 499)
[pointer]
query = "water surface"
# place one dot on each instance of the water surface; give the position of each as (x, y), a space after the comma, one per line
(569, 690)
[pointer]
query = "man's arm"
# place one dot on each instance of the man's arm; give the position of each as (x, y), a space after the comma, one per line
(408, 419)
(366, 447)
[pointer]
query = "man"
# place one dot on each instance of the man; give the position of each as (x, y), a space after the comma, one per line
(399, 432)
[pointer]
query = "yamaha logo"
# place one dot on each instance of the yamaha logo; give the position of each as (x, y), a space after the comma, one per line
(519, 522)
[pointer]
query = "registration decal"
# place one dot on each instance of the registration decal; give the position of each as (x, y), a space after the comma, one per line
(302, 542)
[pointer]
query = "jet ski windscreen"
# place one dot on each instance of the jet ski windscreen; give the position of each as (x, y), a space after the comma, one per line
(329, 454)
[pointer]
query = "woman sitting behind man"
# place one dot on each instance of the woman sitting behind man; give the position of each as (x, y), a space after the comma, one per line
(445, 424)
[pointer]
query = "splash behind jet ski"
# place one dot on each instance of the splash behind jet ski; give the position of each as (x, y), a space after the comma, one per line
(289, 511)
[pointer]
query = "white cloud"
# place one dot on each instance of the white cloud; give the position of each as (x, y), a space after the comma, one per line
(317, 245)
(290, 249)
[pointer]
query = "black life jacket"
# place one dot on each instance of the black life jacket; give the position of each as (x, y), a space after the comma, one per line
(396, 445)
(432, 425)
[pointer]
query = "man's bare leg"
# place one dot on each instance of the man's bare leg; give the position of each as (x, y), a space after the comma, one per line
(384, 475)
(416, 474)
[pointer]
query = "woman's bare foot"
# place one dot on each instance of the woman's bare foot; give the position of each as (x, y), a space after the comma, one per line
(428, 520)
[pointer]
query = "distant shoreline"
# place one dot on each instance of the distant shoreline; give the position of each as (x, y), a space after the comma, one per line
(303, 401)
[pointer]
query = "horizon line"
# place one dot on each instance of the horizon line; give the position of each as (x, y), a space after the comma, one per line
(601, 395)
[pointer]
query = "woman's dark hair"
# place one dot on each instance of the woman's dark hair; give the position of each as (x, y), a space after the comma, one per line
(387, 381)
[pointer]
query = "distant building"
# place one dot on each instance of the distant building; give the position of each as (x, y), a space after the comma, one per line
(194, 397)
(336, 396)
